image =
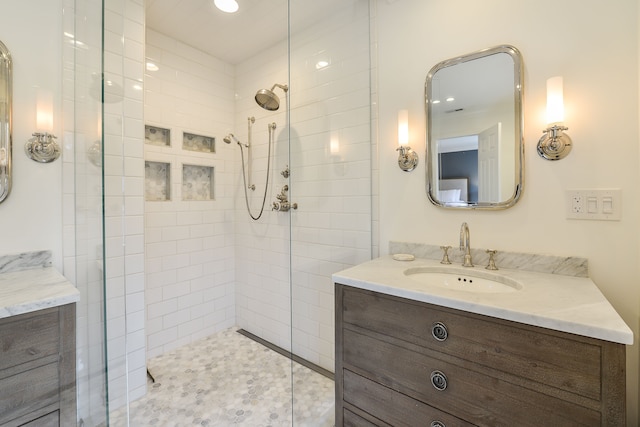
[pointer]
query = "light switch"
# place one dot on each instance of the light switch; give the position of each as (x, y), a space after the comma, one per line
(594, 204)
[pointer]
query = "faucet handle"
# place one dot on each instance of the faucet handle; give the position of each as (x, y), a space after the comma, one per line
(445, 255)
(492, 262)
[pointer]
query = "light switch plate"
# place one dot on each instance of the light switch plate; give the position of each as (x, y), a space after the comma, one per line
(594, 204)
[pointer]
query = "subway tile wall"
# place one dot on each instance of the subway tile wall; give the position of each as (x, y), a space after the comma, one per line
(189, 242)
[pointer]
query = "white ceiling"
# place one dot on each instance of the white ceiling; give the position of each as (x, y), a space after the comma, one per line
(258, 24)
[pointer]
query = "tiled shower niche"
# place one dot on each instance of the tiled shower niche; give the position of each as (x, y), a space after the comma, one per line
(157, 181)
(154, 135)
(197, 182)
(200, 143)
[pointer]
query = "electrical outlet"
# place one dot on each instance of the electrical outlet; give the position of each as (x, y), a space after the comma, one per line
(576, 203)
(594, 204)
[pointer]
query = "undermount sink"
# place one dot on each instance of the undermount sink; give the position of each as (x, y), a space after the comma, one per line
(465, 280)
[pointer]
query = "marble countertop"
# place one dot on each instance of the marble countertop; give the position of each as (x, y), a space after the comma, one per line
(25, 291)
(563, 303)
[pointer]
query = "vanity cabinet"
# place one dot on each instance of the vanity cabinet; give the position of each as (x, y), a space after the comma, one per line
(401, 362)
(37, 368)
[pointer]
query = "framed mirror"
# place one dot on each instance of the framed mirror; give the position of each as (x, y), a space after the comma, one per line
(474, 114)
(5, 121)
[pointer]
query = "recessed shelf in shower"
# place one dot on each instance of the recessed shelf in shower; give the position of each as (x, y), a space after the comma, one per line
(157, 181)
(197, 182)
(200, 143)
(154, 135)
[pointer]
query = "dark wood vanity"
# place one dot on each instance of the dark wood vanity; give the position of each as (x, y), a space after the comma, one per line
(38, 368)
(401, 362)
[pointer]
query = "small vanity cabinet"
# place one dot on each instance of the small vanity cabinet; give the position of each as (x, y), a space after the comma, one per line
(401, 362)
(37, 368)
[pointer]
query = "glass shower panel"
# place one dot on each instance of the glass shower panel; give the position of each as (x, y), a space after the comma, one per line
(330, 150)
(82, 195)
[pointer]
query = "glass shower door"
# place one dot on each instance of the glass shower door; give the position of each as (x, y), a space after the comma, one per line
(331, 181)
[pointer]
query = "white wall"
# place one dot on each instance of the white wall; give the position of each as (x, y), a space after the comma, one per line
(595, 47)
(32, 213)
(189, 244)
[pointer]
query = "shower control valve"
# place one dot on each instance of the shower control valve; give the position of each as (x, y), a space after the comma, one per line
(285, 172)
(283, 205)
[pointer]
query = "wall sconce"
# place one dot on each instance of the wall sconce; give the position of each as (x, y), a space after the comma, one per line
(554, 144)
(407, 158)
(42, 147)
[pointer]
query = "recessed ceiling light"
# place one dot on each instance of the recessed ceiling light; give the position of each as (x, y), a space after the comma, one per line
(228, 6)
(435, 101)
(450, 99)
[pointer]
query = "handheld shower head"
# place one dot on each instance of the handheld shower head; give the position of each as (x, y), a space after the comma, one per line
(232, 138)
(269, 100)
(229, 138)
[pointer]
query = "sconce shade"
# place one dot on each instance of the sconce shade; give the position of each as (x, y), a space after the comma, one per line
(44, 112)
(403, 127)
(555, 102)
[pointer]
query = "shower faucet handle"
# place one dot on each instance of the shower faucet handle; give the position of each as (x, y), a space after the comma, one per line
(285, 172)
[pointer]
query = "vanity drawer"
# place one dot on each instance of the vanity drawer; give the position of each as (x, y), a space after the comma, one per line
(529, 352)
(29, 337)
(28, 392)
(391, 407)
(471, 395)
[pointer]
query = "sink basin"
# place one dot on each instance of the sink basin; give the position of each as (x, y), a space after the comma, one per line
(463, 279)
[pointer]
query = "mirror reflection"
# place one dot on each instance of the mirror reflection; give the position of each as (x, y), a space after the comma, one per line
(5, 122)
(474, 130)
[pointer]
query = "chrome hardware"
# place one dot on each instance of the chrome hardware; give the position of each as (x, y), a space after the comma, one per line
(465, 245)
(445, 255)
(492, 261)
(554, 144)
(438, 380)
(283, 205)
(437, 424)
(439, 331)
(285, 172)
(42, 148)
(407, 158)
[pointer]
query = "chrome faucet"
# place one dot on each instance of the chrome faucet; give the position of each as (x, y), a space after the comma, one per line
(465, 245)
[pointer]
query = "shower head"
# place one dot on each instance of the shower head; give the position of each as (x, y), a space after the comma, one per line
(229, 138)
(269, 100)
(232, 138)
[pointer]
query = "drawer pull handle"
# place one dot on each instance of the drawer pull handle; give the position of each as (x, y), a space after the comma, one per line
(437, 424)
(438, 380)
(439, 331)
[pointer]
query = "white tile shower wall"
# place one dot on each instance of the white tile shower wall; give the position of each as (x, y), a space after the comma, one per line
(189, 244)
(123, 129)
(330, 180)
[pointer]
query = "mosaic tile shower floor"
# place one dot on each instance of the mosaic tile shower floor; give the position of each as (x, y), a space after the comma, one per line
(228, 379)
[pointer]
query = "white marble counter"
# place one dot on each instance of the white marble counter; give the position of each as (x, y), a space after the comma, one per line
(563, 303)
(25, 291)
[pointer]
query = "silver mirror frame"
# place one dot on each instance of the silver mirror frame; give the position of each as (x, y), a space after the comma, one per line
(519, 122)
(5, 121)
